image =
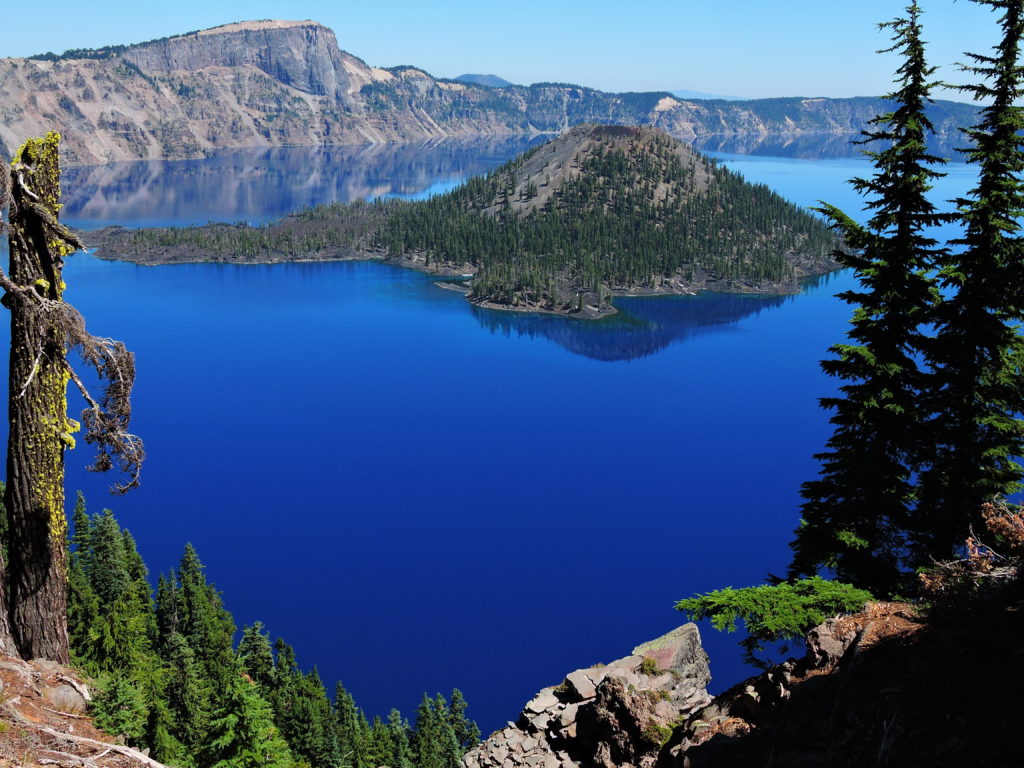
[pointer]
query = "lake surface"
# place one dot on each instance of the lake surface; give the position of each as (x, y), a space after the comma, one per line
(419, 494)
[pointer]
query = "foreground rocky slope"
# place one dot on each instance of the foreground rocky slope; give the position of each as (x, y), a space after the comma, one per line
(43, 721)
(884, 687)
(277, 83)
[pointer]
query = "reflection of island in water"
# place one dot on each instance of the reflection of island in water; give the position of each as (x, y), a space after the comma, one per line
(261, 185)
(642, 327)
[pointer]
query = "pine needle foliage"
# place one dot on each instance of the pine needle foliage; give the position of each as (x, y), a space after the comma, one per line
(976, 356)
(774, 612)
(856, 514)
(171, 680)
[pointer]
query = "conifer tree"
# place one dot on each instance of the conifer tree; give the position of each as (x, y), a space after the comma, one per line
(434, 743)
(379, 746)
(122, 709)
(108, 567)
(302, 711)
(161, 741)
(324, 747)
(856, 513)
(168, 606)
(467, 732)
(188, 699)
(207, 627)
(977, 354)
(352, 729)
(243, 734)
(401, 748)
(83, 603)
(256, 657)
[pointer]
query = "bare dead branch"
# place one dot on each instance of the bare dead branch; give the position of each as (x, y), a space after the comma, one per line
(66, 714)
(134, 754)
(69, 760)
(105, 420)
(32, 373)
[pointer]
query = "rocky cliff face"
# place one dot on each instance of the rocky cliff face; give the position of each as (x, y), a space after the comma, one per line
(885, 687)
(278, 83)
(612, 716)
(300, 55)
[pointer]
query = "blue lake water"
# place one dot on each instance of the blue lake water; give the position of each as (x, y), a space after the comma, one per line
(419, 494)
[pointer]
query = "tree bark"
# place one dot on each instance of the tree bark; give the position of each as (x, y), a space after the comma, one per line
(39, 427)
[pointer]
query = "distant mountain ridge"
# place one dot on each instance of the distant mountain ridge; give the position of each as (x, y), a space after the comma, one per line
(281, 83)
(491, 81)
(686, 93)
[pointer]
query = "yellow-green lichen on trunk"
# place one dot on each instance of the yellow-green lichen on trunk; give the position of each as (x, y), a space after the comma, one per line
(40, 430)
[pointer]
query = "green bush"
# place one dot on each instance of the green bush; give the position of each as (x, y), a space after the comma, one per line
(772, 613)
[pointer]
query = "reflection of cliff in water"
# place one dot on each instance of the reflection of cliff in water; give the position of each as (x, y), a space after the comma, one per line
(265, 184)
(810, 146)
(642, 327)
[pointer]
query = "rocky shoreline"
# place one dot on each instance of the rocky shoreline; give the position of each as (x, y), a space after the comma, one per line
(590, 311)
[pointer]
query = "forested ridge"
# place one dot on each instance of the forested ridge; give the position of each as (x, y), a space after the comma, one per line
(172, 679)
(599, 211)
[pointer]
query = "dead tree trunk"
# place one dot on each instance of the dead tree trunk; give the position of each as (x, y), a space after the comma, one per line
(39, 427)
(7, 645)
(43, 329)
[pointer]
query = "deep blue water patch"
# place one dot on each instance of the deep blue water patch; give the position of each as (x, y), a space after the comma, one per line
(422, 495)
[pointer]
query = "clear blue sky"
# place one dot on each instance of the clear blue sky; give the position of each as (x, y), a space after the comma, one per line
(752, 48)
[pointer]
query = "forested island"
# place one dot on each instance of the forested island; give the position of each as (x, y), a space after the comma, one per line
(598, 212)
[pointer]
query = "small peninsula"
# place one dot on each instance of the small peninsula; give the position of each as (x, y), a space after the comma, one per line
(600, 211)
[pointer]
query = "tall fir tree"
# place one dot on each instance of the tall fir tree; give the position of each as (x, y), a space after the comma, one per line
(186, 695)
(975, 386)
(467, 732)
(256, 657)
(243, 734)
(207, 627)
(108, 566)
(434, 743)
(401, 748)
(352, 729)
(83, 603)
(856, 514)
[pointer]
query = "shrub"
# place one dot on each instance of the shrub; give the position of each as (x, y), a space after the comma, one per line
(650, 667)
(772, 613)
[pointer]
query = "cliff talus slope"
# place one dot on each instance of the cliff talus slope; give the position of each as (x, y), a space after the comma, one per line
(287, 83)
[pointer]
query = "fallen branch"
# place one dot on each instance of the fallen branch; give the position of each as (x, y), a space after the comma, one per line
(65, 714)
(69, 759)
(134, 754)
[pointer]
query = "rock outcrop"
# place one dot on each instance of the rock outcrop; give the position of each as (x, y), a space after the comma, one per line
(613, 716)
(885, 687)
(287, 83)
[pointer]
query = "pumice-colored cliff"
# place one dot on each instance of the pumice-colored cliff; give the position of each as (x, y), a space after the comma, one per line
(287, 83)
